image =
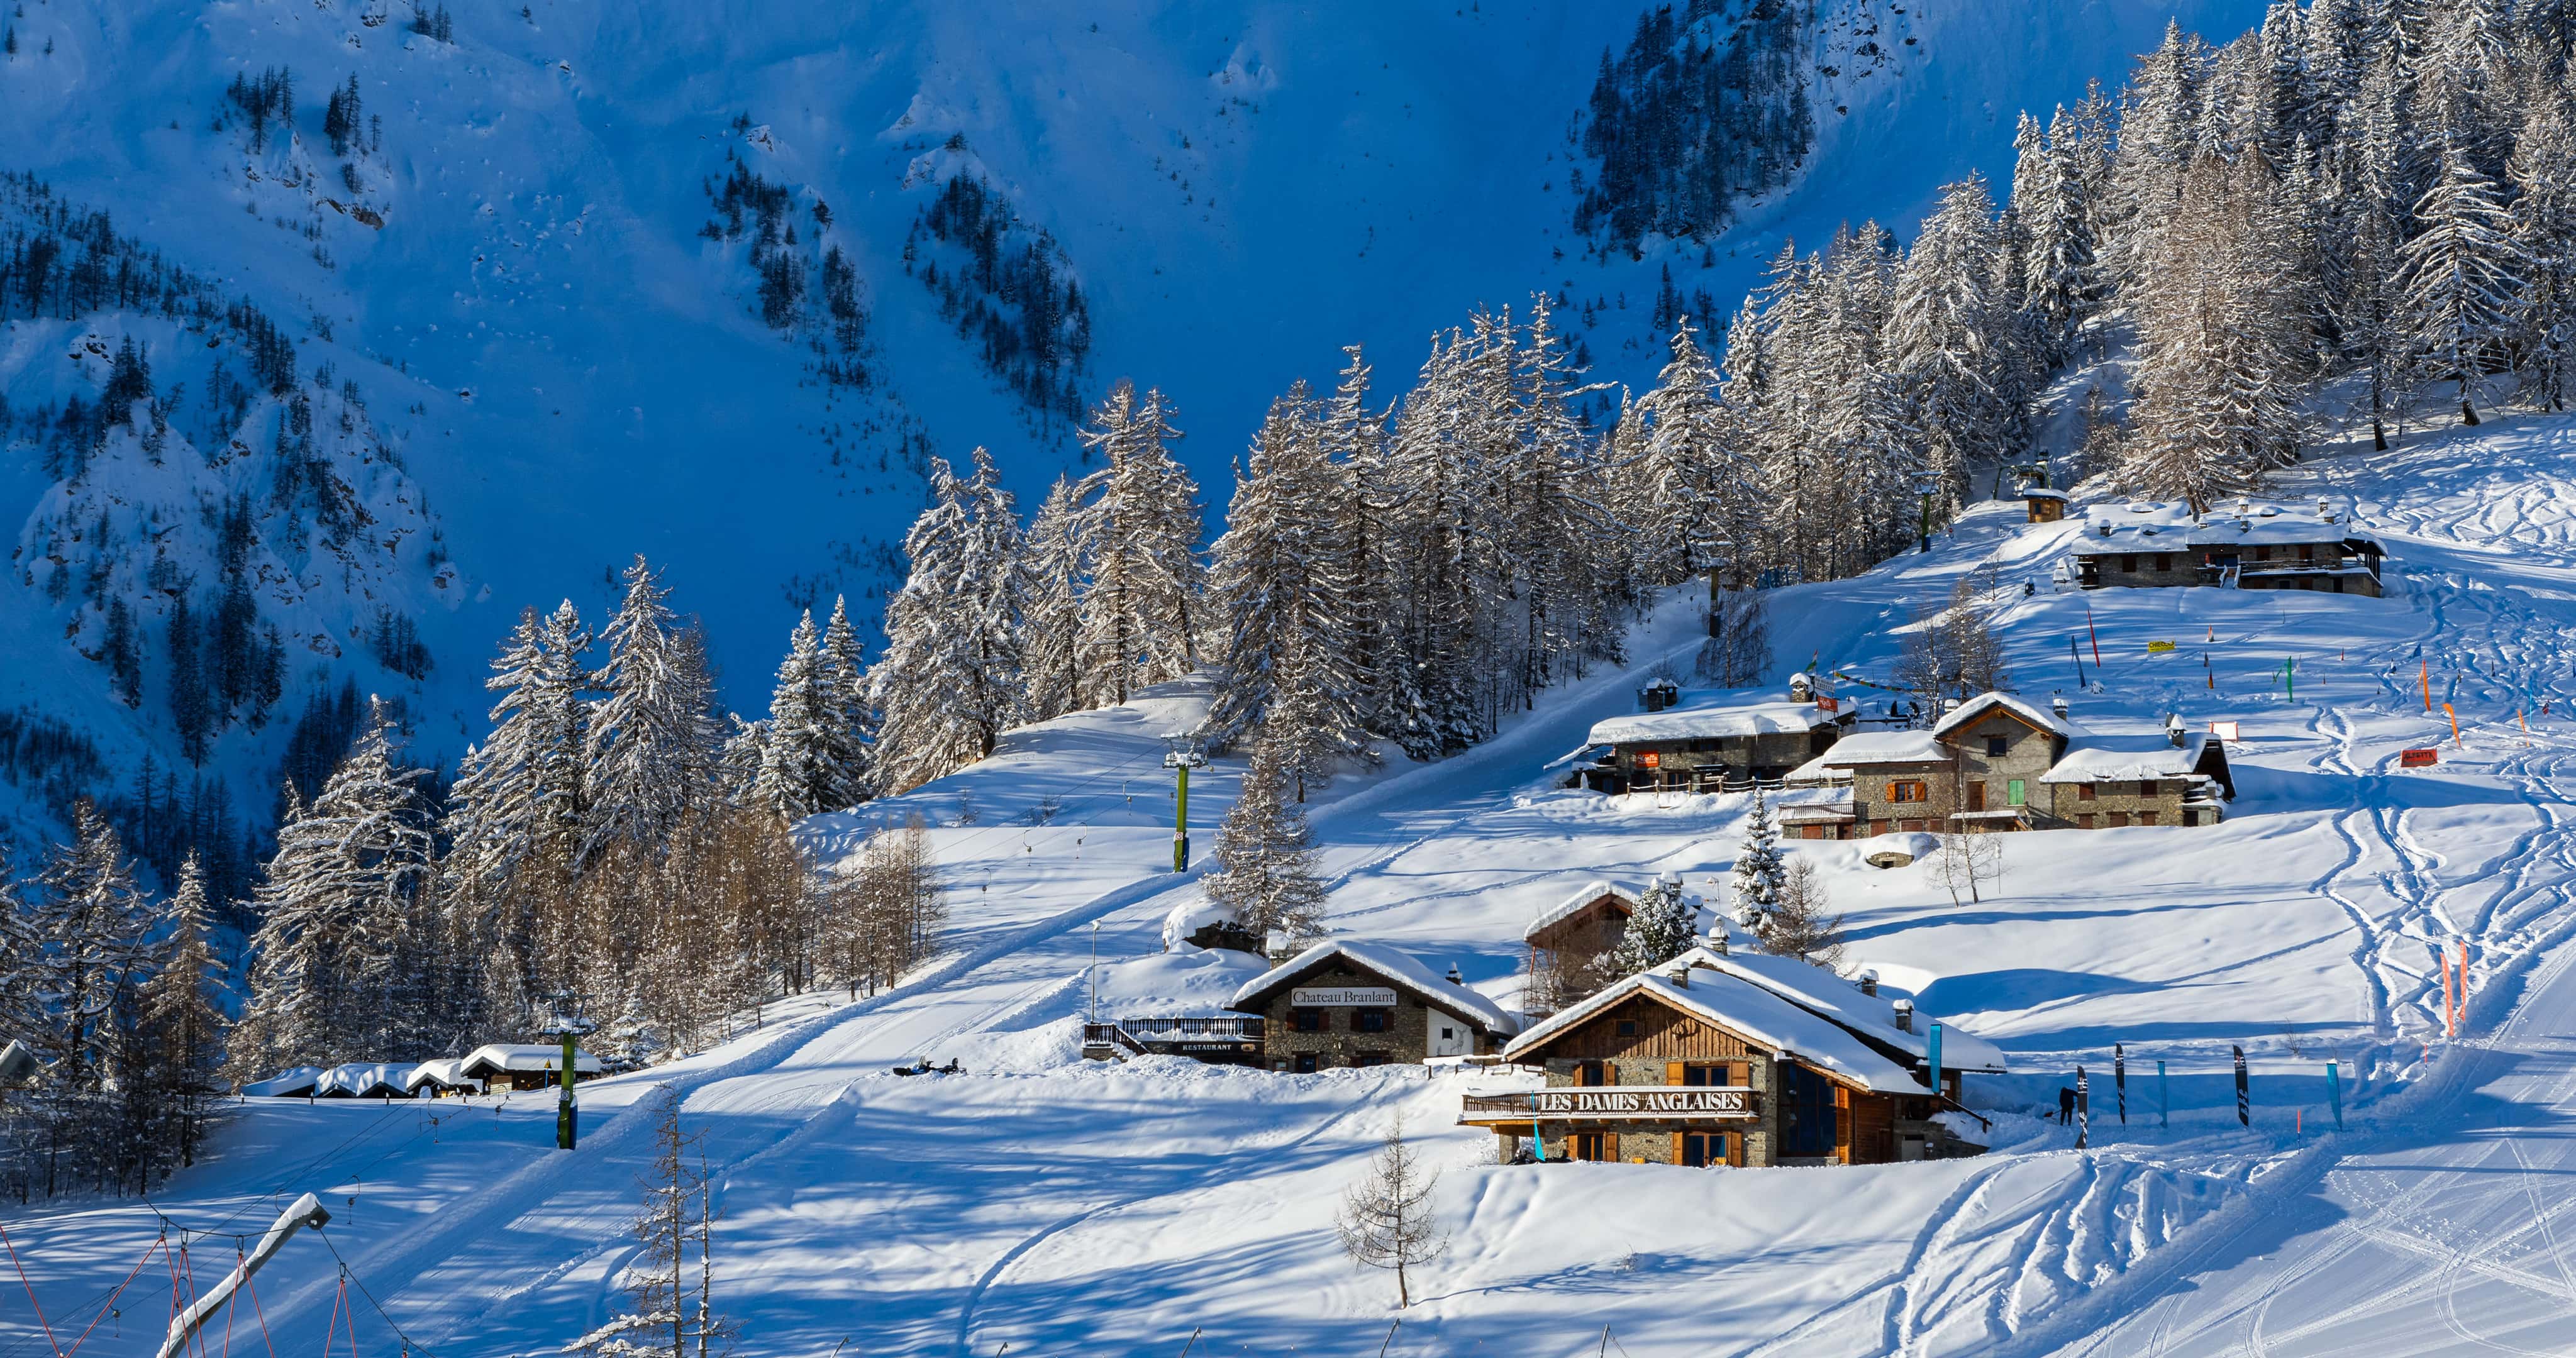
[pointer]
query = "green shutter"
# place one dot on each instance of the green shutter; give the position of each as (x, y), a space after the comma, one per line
(2014, 792)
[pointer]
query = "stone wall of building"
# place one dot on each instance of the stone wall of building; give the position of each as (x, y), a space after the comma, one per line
(1407, 1036)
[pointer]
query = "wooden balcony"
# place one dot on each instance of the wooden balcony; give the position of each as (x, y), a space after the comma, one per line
(1613, 1103)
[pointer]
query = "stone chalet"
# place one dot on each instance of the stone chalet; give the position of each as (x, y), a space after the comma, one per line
(1704, 744)
(1714, 1059)
(1586, 924)
(1350, 1003)
(1999, 763)
(2247, 545)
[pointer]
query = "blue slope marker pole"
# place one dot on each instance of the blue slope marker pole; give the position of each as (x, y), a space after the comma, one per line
(2244, 1101)
(2164, 1105)
(2334, 1093)
(1936, 1063)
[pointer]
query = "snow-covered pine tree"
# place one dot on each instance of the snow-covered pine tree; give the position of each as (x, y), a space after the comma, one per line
(1266, 871)
(1281, 590)
(949, 682)
(2543, 171)
(1945, 341)
(1686, 472)
(88, 921)
(1758, 869)
(1140, 611)
(794, 746)
(520, 791)
(1439, 617)
(2058, 270)
(653, 741)
(184, 1008)
(850, 719)
(2463, 274)
(1663, 927)
(338, 898)
(1054, 561)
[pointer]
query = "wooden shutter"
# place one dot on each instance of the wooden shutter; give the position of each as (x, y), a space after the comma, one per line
(1673, 1075)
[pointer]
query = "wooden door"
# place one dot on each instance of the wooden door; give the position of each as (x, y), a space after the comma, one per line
(1976, 796)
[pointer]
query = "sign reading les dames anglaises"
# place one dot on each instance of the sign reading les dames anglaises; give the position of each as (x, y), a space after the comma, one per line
(1616, 1102)
(1336, 997)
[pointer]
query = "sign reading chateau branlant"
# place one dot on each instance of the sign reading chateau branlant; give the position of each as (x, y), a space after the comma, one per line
(1342, 997)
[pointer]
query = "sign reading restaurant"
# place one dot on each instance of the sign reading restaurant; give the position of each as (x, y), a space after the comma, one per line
(1336, 997)
(1576, 1102)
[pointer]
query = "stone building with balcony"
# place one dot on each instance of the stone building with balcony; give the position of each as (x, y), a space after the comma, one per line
(1996, 762)
(1710, 1061)
(1346, 1002)
(1707, 742)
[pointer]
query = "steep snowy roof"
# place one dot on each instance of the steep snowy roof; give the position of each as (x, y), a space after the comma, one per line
(447, 1072)
(1573, 905)
(1829, 996)
(1871, 747)
(1746, 1008)
(362, 1078)
(2167, 525)
(524, 1056)
(290, 1083)
(1977, 707)
(1380, 960)
(1713, 719)
(2127, 758)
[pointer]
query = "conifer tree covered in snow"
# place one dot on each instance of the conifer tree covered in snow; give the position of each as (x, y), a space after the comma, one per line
(89, 922)
(849, 717)
(339, 911)
(183, 1004)
(1266, 872)
(1758, 870)
(1286, 593)
(652, 740)
(2462, 276)
(949, 682)
(1052, 569)
(520, 792)
(793, 749)
(1663, 927)
(1139, 610)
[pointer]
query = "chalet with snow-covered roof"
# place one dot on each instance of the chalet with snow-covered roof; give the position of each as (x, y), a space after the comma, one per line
(363, 1080)
(2045, 505)
(295, 1082)
(1701, 1063)
(503, 1067)
(1705, 741)
(2245, 544)
(1590, 921)
(1997, 762)
(441, 1079)
(1350, 1003)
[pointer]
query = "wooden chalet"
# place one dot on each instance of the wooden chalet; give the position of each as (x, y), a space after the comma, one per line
(2045, 505)
(1996, 762)
(363, 1080)
(2247, 545)
(505, 1067)
(297, 1082)
(1706, 743)
(1696, 1064)
(1352, 1003)
(440, 1079)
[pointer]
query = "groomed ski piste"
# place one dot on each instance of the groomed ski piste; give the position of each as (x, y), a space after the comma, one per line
(1048, 1205)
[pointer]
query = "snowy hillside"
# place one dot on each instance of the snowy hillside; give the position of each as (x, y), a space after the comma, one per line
(664, 280)
(1061, 1206)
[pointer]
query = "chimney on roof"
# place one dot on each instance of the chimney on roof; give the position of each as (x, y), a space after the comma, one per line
(2173, 729)
(1869, 983)
(2057, 704)
(1802, 688)
(1680, 977)
(1717, 941)
(2325, 509)
(1454, 977)
(1905, 1016)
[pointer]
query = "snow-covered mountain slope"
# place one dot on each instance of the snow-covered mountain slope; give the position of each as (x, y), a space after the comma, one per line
(505, 250)
(1054, 1206)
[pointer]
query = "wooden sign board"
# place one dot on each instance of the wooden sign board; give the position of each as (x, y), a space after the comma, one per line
(2224, 730)
(2418, 759)
(1649, 759)
(1341, 997)
(1641, 1102)
(1829, 703)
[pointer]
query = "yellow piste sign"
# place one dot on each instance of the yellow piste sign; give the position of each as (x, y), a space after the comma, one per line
(2159, 647)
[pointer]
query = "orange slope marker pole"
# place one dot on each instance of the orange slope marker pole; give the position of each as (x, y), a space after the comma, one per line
(2425, 677)
(2464, 981)
(2450, 1027)
(2455, 726)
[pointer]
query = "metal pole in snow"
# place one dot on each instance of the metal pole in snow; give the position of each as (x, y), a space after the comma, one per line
(1181, 820)
(2120, 1081)
(567, 1113)
(2077, 651)
(2334, 1093)
(2083, 1109)
(2097, 636)
(1936, 1063)
(2164, 1104)
(2244, 1102)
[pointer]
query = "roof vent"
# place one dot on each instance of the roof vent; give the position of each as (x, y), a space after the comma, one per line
(1905, 1016)
(1680, 977)
(1869, 983)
